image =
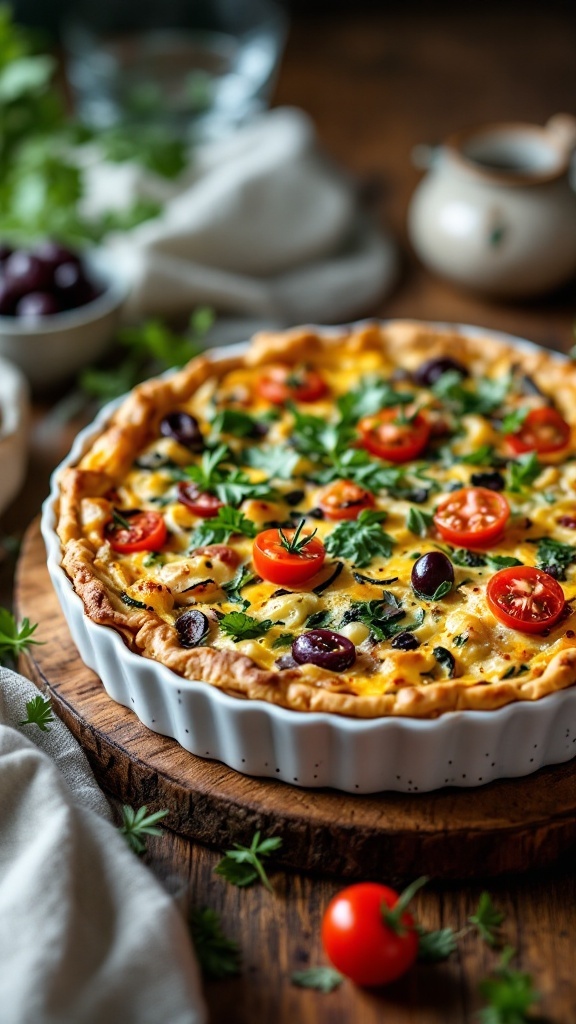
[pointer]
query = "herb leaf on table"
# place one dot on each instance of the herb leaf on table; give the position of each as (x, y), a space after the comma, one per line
(323, 979)
(243, 865)
(487, 920)
(218, 956)
(510, 994)
(137, 824)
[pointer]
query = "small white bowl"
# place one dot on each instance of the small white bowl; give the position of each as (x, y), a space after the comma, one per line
(14, 412)
(52, 349)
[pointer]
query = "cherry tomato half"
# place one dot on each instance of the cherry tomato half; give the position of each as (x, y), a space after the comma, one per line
(542, 431)
(344, 500)
(273, 562)
(146, 532)
(525, 598)
(359, 941)
(201, 503)
(281, 383)
(391, 434)
(471, 516)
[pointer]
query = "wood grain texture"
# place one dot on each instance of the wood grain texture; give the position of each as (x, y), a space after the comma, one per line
(507, 826)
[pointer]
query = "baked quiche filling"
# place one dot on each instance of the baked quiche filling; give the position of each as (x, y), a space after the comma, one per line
(382, 522)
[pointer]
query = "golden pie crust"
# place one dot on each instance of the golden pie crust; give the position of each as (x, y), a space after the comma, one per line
(402, 683)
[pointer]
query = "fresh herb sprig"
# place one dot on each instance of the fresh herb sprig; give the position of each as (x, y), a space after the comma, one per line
(486, 921)
(136, 824)
(244, 864)
(360, 540)
(219, 528)
(39, 712)
(510, 994)
(15, 639)
(295, 544)
(240, 626)
(323, 979)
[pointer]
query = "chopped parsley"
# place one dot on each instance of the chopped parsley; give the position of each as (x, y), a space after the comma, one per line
(522, 472)
(243, 577)
(240, 626)
(283, 640)
(360, 540)
(220, 528)
(419, 522)
(383, 616)
(554, 557)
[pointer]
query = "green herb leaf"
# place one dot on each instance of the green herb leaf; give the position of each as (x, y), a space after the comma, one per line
(513, 421)
(137, 824)
(220, 528)
(323, 979)
(283, 640)
(372, 394)
(460, 639)
(436, 946)
(419, 522)
(470, 559)
(482, 396)
(446, 659)
(502, 561)
(510, 994)
(278, 461)
(218, 956)
(243, 865)
(515, 670)
(236, 422)
(360, 540)
(243, 578)
(384, 618)
(38, 712)
(131, 602)
(487, 919)
(554, 555)
(523, 471)
(481, 456)
(240, 626)
(15, 639)
(319, 619)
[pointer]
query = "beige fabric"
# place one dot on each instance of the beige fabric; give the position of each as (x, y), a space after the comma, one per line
(87, 935)
(261, 226)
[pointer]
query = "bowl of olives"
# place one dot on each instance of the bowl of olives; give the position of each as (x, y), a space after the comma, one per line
(59, 309)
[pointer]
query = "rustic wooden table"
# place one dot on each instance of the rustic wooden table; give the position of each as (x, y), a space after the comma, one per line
(375, 86)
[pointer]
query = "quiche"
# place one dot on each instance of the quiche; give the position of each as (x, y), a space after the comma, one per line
(375, 521)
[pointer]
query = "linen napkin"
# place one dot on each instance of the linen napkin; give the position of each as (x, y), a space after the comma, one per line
(87, 935)
(261, 226)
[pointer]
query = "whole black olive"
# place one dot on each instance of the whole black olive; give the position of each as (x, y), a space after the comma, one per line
(405, 642)
(183, 428)
(192, 628)
(430, 571)
(429, 372)
(325, 648)
(494, 481)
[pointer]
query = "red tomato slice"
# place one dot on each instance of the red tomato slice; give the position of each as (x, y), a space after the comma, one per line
(277, 565)
(201, 503)
(281, 383)
(387, 436)
(525, 598)
(344, 500)
(471, 516)
(359, 941)
(542, 431)
(147, 532)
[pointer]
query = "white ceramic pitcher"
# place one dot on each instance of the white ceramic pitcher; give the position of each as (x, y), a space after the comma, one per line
(496, 211)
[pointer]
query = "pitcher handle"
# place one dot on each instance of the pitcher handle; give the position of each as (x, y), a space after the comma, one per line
(562, 128)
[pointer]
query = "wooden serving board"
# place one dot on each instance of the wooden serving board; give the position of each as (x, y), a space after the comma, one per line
(453, 833)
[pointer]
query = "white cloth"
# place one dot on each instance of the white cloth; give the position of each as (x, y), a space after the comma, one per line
(87, 935)
(260, 226)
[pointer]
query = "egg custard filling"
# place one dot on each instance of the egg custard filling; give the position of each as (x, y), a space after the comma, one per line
(376, 522)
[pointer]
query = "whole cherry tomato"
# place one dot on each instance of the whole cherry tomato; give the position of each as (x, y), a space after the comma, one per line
(472, 516)
(136, 531)
(344, 500)
(288, 557)
(525, 598)
(542, 431)
(393, 435)
(281, 383)
(365, 939)
(201, 503)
